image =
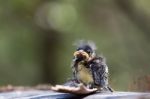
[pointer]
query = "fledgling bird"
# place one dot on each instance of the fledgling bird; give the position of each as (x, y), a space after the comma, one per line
(88, 68)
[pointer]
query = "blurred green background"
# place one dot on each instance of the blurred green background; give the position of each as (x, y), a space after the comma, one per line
(36, 39)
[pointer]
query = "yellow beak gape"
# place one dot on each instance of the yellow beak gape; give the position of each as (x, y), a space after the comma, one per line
(76, 53)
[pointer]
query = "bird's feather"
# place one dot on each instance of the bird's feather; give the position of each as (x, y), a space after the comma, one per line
(99, 71)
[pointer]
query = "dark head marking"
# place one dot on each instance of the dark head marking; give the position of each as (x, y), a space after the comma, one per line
(87, 46)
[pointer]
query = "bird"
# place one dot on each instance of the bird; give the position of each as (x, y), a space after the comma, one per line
(89, 68)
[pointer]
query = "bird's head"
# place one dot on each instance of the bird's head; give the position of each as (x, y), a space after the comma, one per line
(85, 51)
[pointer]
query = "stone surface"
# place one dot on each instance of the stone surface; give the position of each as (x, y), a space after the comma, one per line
(37, 94)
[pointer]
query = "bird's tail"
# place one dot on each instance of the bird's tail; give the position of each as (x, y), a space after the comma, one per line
(110, 89)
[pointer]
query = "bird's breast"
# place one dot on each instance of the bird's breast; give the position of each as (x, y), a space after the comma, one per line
(84, 74)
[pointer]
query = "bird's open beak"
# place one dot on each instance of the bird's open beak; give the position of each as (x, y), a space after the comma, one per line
(81, 53)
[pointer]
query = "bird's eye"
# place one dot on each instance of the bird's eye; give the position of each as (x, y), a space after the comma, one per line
(78, 49)
(88, 51)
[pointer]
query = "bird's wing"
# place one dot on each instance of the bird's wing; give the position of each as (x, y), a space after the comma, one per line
(74, 68)
(99, 71)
